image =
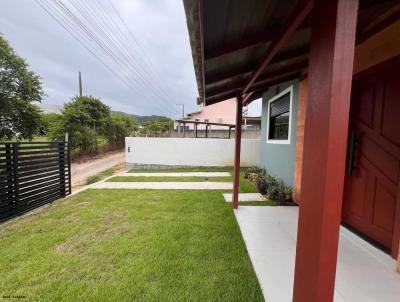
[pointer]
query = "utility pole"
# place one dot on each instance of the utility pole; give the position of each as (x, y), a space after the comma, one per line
(183, 115)
(80, 84)
(183, 109)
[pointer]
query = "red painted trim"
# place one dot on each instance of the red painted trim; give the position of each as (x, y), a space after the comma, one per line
(238, 139)
(299, 14)
(325, 144)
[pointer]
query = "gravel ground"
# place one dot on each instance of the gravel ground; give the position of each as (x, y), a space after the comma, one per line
(81, 171)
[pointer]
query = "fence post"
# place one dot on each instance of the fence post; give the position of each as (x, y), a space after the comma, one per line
(15, 172)
(69, 167)
(61, 164)
(9, 169)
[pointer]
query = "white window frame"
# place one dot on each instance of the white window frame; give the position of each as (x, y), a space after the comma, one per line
(271, 100)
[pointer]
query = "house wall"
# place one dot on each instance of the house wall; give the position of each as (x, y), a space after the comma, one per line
(278, 159)
(377, 49)
(189, 151)
(215, 133)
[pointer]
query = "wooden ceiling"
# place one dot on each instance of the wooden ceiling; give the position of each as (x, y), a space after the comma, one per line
(240, 46)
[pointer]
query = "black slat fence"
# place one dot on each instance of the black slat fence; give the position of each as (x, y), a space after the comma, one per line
(32, 174)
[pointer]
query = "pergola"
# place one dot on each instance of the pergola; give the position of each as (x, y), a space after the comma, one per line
(241, 48)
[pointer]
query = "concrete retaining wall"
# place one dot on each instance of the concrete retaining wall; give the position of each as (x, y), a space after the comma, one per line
(189, 151)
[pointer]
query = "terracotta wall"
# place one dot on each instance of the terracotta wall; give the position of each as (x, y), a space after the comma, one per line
(302, 101)
(378, 48)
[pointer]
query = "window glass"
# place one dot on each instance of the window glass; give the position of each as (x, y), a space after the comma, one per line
(279, 118)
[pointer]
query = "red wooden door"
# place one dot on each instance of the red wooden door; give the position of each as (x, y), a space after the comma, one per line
(371, 201)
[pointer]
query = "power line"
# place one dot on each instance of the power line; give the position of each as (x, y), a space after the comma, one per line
(132, 50)
(105, 46)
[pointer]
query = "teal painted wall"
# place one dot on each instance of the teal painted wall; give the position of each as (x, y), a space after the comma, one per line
(278, 159)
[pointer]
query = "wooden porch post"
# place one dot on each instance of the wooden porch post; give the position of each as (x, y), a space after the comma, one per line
(325, 144)
(238, 138)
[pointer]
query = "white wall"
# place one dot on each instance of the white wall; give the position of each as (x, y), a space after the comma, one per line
(189, 151)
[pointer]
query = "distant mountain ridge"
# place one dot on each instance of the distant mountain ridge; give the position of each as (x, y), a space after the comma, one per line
(56, 108)
(143, 118)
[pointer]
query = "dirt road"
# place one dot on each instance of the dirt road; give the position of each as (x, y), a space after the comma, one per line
(81, 171)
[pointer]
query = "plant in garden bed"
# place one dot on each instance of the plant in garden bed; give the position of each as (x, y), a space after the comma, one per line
(271, 187)
(252, 173)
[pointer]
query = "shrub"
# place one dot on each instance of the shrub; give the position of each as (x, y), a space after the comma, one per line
(261, 185)
(253, 170)
(275, 189)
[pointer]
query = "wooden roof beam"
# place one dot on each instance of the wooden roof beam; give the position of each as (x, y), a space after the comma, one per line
(242, 43)
(281, 58)
(265, 77)
(258, 88)
(300, 12)
(238, 45)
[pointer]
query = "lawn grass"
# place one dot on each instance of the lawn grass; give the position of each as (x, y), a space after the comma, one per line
(104, 174)
(99, 176)
(182, 169)
(168, 179)
(128, 245)
(245, 185)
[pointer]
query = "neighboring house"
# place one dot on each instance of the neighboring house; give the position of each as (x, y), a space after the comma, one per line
(223, 113)
(330, 83)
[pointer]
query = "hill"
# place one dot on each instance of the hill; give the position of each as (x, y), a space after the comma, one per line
(143, 118)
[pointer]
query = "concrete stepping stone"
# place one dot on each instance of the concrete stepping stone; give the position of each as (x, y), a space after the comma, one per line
(245, 197)
(179, 174)
(164, 185)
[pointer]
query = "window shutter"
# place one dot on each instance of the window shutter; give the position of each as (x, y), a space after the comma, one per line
(280, 106)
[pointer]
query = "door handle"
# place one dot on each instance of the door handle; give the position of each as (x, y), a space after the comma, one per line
(353, 141)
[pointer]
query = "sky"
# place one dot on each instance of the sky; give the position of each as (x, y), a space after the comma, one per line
(151, 74)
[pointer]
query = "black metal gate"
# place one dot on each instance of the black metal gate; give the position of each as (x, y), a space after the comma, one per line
(32, 174)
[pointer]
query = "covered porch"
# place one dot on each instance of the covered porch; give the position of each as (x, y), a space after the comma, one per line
(316, 62)
(364, 273)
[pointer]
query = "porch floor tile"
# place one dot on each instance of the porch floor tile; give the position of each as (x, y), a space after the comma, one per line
(244, 197)
(364, 273)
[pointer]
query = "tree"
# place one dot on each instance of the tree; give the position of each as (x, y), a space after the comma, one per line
(157, 127)
(118, 127)
(20, 90)
(48, 122)
(83, 118)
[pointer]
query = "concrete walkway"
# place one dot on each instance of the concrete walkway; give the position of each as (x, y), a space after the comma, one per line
(245, 197)
(364, 273)
(206, 185)
(179, 174)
